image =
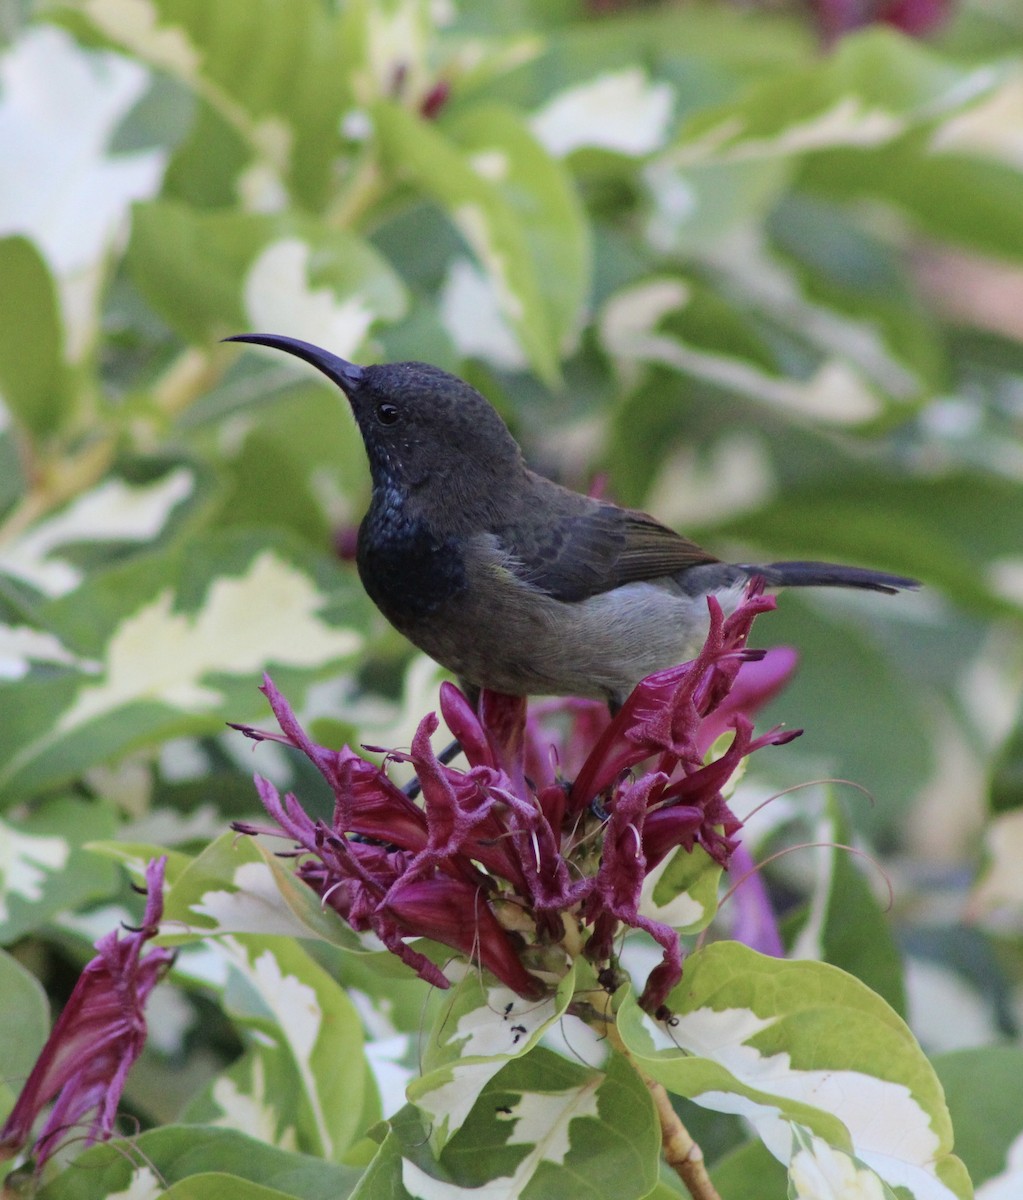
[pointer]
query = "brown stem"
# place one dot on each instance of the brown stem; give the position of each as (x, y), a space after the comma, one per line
(191, 374)
(681, 1153)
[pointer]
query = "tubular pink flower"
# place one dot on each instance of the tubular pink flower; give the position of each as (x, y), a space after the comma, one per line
(451, 912)
(96, 1040)
(509, 841)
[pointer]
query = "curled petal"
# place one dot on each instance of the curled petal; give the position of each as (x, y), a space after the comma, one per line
(368, 803)
(459, 807)
(754, 685)
(619, 879)
(465, 726)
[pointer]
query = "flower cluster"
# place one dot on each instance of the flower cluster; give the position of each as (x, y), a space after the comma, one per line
(96, 1039)
(512, 862)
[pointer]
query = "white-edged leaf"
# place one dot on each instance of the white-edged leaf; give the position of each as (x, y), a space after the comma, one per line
(113, 511)
(803, 1044)
(477, 1030)
(210, 274)
(306, 1075)
(180, 640)
(237, 885)
(59, 183)
(621, 111)
(552, 1127)
(876, 87)
(44, 866)
(684, 326)
(515, 208)
(275, 74)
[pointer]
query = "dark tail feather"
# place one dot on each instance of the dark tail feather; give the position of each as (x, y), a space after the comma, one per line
(818, 574)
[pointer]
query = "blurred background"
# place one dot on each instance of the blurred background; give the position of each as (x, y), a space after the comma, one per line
(754, 267)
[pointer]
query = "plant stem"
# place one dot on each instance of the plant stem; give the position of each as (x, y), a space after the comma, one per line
(191, 374)
(681, 1152)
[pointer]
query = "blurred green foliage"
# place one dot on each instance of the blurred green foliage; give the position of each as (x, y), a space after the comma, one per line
(771, 293)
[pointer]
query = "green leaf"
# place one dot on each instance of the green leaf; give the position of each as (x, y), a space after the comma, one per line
(546, 1126)
(179, 1152)
(817, 362)
(939, 529)
(706, 52)
(176, 645)
(956, 197)
(24, 1025)
(239, 885)
(493, 227)
(697, 206)
(682, 891)
(984, 1090)
(132, 513)
(275, 73)
(856, 934)
(539, 191)
(203, 1186)
(797, 1046)
(190, 266)
(749, 1173)
(831, 279)
(814, 1164)
(32, 378)
(875, 86)
(477, 1030)
(304, 1081)
(382, 1180)
(484, 1019)
(199, 1164)
(212, 274)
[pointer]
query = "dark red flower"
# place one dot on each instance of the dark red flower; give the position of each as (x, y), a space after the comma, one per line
(96, 1039)
(510, 857)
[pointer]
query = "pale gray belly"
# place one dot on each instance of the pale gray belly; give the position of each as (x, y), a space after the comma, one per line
(599, 647)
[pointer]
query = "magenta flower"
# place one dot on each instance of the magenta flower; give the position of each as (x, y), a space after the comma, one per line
(753, 919)
(543, 843)
(914, 17)
(96, 1039)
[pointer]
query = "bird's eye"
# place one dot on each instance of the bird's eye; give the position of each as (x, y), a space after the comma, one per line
(387, 414)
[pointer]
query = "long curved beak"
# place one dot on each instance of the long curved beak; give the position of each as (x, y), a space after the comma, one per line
(345, 374)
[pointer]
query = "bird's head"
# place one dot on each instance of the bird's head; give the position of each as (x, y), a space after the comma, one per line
(422, 427)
